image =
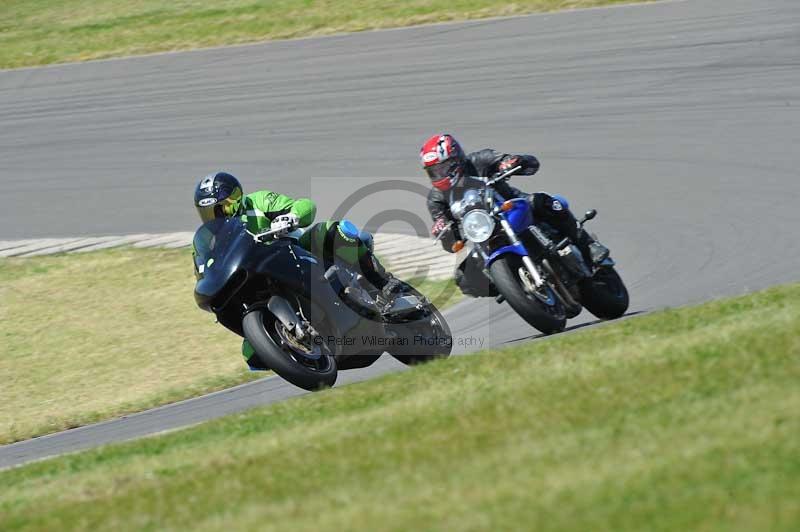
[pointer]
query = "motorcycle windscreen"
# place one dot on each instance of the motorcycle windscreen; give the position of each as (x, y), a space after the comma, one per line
(214, 244)
(205, 242)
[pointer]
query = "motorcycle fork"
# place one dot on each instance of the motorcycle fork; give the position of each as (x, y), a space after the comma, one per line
(538, 281)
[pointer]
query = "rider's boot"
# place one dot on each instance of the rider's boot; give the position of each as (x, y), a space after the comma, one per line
(377, 275)
(593, 251)
(253, 361)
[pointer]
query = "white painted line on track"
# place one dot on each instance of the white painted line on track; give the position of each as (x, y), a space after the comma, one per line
(406, 255)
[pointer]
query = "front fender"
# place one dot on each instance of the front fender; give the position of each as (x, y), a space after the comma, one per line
(516, 249)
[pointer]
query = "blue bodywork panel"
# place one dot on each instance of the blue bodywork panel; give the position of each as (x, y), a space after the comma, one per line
(516, 249)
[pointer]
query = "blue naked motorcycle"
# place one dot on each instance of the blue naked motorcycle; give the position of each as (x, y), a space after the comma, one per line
(513, 257)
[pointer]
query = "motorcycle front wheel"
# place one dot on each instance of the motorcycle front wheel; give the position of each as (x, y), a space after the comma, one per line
(543, 311)
(306, 363)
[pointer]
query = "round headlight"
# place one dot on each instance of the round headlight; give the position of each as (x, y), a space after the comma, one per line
(478, 225)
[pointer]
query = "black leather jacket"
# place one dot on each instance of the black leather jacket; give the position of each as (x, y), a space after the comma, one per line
(481, 163)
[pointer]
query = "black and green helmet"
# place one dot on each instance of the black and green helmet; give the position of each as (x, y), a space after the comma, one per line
(218, 195)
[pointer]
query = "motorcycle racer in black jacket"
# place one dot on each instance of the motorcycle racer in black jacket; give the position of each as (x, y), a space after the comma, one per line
(452, 172)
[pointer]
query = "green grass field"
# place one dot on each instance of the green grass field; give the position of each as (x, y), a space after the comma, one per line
(90, 336)
(87, 337)
(38, 32)
(686, 419)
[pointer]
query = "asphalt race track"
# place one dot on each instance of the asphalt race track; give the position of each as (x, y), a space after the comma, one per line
(678, 121)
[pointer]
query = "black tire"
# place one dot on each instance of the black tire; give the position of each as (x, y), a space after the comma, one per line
(435, 327)
(546, 318)
(605, 295)
(260, 330)
(429, 325)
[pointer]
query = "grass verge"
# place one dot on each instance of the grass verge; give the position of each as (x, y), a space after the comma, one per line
(38, 32)
(87, 337)
(678, 420)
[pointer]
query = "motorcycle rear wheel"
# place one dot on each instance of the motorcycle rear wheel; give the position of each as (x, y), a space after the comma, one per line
(605, 295)
(430, 329)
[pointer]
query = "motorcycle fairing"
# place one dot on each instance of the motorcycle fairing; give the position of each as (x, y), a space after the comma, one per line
(239, 272)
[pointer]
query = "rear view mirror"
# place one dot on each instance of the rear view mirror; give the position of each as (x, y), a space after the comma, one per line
(588, 216)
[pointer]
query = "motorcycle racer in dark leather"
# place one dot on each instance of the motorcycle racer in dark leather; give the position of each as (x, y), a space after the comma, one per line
(452, 172)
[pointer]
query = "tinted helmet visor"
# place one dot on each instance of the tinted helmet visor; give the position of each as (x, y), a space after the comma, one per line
(223, 208)
(449, 168)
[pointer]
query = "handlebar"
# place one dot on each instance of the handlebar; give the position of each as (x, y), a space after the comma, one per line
(503, 177)
(260, 237)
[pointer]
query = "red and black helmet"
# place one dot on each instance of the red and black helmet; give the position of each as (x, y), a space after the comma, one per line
(443, 160)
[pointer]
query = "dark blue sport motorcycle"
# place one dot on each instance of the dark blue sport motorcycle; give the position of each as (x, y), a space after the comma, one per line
(514, 258)
(307, 317)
